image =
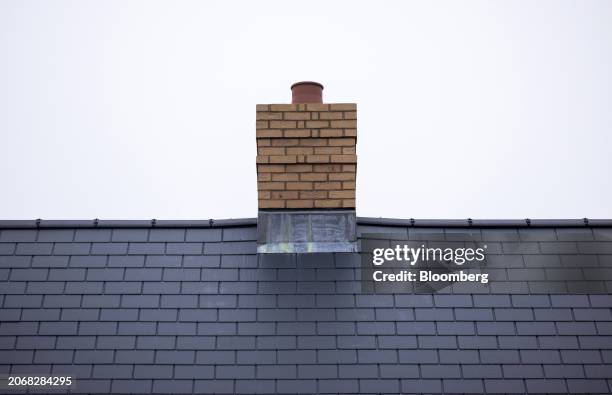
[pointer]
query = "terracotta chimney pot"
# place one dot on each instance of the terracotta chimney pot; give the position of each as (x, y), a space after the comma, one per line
(307, 92)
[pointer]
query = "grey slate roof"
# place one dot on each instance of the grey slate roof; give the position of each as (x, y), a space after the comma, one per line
(182, 307)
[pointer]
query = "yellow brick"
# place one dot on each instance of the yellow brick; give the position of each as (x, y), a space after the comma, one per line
(300, 150)
(317, 158)
(317, 124)
(327, 168)
(313, 176)
(348, 203)
(283, 124)
(266, 133)
(265, 116)
(313, 194)
(261, 107)
(330, 115)
(262, 159)
(263, 195)
(343, 107)
(263, 142)
(313, 142)
(348, 185)
(296, 116)
(349, 150)
(341, 159)
(341, 176)
(284, 195)
(339, 194)
(270, 186)
(291, 133)
(318, 186)
(285, 142)
(271, 151)
(261, 124)
(349, 168)
(317, 107)
(285, 177)
(328, 150)
(270, 168)
(264, 177)
(327, 203)
(300, 204)
(331, 132)
(299, 168)
(283, 107)
(299, 186)
(351, 124)
(346, 141)
(350, 115)
(283, 159)
(350, 132)
(271, 204)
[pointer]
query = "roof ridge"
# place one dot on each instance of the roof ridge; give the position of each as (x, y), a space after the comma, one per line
(376, 221)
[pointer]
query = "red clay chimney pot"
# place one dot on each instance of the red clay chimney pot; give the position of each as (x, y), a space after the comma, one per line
(306, 92)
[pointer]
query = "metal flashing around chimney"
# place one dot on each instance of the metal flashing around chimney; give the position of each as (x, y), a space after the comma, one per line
(306, 231)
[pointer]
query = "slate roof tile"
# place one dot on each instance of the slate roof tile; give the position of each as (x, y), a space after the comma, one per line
(194, 308)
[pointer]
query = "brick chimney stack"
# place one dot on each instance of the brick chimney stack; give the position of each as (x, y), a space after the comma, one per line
(306, 153)
(306, 159)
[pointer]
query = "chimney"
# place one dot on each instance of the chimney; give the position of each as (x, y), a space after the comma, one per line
(306, 92)
(306, 172)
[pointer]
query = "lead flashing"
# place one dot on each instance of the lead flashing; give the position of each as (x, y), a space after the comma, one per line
(307, 231)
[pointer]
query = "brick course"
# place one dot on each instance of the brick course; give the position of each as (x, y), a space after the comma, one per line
(308, 148)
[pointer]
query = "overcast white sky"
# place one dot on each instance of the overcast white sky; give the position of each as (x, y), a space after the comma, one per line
(146, 109)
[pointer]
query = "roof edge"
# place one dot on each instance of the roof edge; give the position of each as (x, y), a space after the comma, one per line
(486, 223)
(375, 221)
(151, 223)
